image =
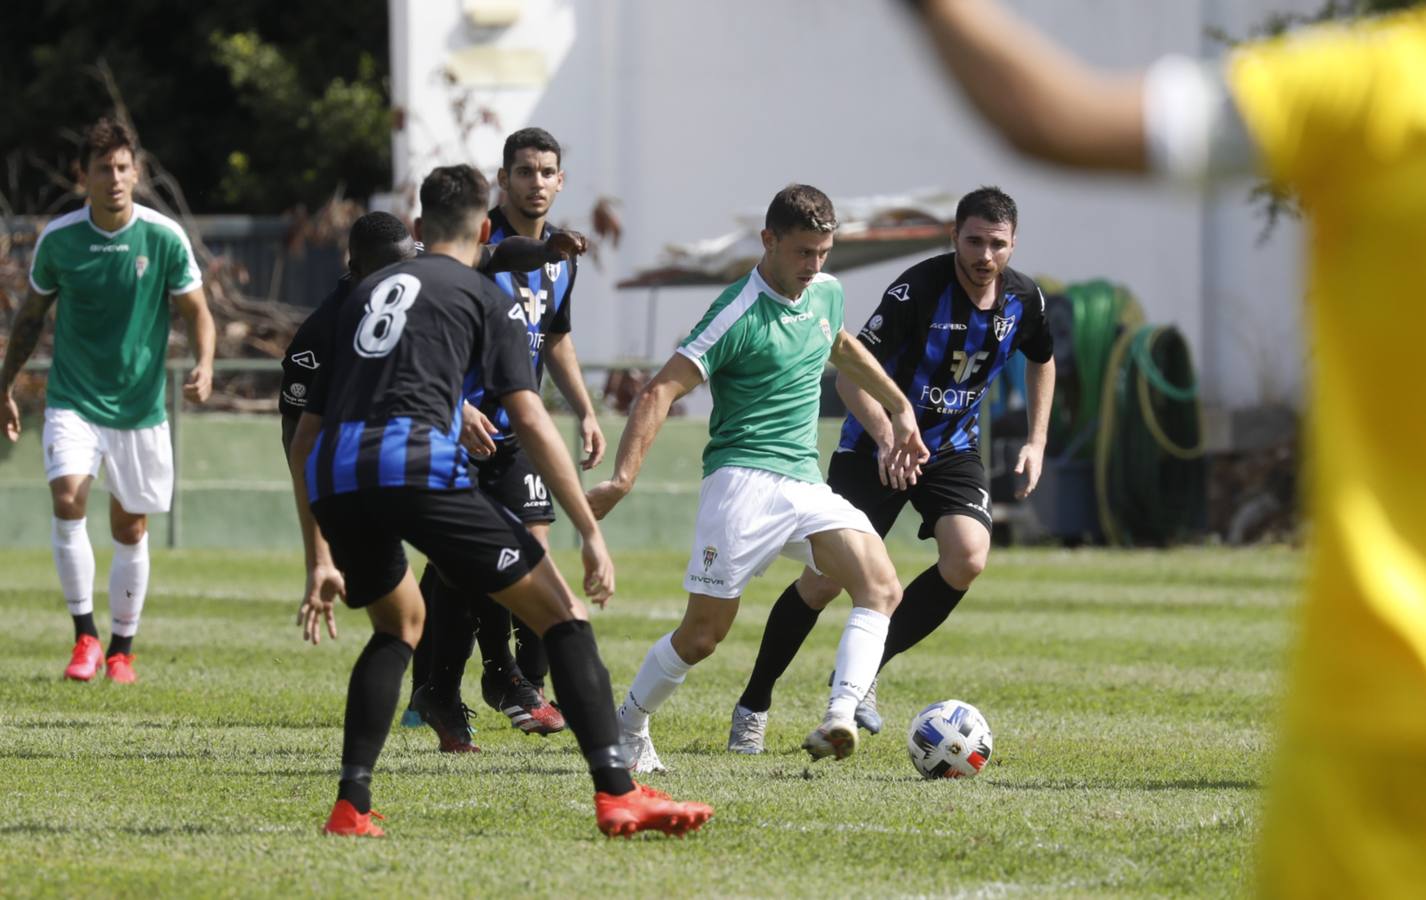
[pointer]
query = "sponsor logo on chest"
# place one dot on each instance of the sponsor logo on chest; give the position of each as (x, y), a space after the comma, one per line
(109, 248)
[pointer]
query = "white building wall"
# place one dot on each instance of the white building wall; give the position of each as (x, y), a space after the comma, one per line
(691, 112)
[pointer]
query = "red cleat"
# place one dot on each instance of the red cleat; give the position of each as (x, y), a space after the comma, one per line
(119, 668)
(86, 660)
(644, 809)
(523, 703)
(345, 820)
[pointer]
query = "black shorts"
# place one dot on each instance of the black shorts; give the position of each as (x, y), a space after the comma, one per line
(509, 478)
(479, 547)
(952, 486)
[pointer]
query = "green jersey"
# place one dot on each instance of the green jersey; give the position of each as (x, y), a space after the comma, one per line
(112, 316)
(763, 356)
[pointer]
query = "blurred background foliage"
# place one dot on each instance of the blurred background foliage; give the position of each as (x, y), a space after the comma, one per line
(254, 106)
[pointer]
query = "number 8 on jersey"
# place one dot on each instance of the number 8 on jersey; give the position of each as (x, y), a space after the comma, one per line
(385, 318)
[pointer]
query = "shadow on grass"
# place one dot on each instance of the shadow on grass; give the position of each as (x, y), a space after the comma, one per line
(116, 754)
(1176, 784)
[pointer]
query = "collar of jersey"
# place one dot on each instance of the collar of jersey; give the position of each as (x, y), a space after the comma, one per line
(133, 217)
(765, 288)
(504, 229)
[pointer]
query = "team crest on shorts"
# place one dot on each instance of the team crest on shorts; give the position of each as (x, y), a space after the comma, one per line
(710, 553)
(1003, 326)
(826, 330)
(141, 265)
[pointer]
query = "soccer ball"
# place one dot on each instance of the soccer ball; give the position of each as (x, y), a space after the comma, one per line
(949, 739)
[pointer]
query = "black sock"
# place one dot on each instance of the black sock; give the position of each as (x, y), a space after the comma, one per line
(530, 654)
(492, 635)
(372, 694)
(119, 643)
(587, 700)
(355, 787)
(85, 625)
(421, 659)
(925, 604)
(451, 633)
(788, 625)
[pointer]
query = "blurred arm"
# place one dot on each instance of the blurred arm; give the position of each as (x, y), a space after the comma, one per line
(1044, 101)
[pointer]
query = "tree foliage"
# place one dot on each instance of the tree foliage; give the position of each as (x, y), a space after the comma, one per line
(253, 105)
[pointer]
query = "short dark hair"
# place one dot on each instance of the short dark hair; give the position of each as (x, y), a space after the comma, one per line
(989, 203)
(527, 138)
(376, 240)
(453, 200)
(103, 137)
(801, 206)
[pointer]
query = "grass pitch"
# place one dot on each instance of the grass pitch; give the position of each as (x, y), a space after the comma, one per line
(1131, 696)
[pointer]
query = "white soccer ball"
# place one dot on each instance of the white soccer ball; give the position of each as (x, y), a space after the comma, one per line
(949, 739)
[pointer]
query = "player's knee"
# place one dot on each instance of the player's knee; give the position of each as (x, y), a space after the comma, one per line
(693, 645)
(410, 624)
(960, 570)
(67, 503)
(883, 593)
(817, 590)
(129, 531)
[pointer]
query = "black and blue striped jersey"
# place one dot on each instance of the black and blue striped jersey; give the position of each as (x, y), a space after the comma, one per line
(310, 345)
(943, 352)
(408, 339)
(539, 300)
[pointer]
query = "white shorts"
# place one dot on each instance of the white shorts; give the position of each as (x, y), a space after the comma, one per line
(138, 462)
(747, 517)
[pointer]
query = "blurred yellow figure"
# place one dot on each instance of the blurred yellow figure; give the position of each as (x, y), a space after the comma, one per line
(1339, 114)
(1336, 113)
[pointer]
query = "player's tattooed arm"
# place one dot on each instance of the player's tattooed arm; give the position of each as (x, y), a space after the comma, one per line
(678, 376)
(521, 254)
(25, 333)
(908, 451)
(1040, 393)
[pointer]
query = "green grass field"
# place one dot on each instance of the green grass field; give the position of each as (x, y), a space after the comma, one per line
(1131, 695)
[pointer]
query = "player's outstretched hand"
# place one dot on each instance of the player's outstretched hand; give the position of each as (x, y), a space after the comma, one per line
(603, 496)
(565, 245)
(598, 570)
(476, 431)
(10, 417)
(199, 384)
(591, 438)
(325, 586)
(1030, 464)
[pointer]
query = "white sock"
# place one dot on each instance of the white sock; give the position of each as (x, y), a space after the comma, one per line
(858, 656)
(128, 585)
(660, 675)
(74, 560)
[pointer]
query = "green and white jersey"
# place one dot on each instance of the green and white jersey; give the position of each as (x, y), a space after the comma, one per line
(763, 355)
(112, 316)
